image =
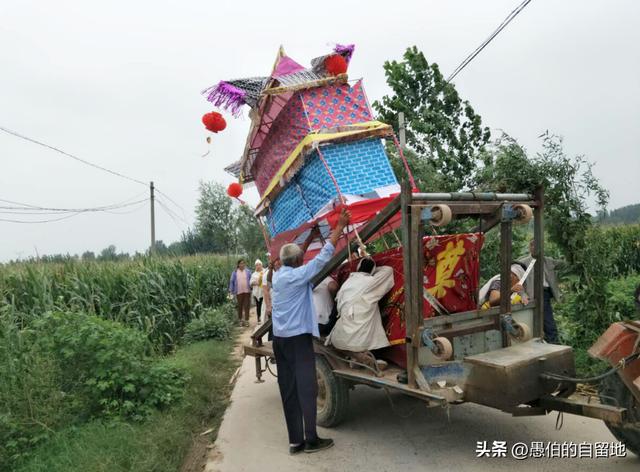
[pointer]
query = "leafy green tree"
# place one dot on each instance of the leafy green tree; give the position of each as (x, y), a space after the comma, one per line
(250, 237)
(176, 248)
(161, 248)
(88, 256)
(215, 219)
(109, 253)
(569, 186)
(627, 215)
(222, 225)
(443, 130)
(193, 242)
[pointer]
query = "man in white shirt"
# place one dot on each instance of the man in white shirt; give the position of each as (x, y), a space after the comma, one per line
(324, 301)
(359, 326)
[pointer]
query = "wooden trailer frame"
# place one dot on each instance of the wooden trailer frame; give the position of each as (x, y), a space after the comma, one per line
(515, 370)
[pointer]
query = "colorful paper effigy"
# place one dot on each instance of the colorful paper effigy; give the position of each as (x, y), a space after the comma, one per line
(313, 145)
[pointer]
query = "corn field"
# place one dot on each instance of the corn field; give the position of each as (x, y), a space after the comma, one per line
(155, 295)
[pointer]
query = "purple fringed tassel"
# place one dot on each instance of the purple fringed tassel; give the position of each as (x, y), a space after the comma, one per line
(345, 50)
(227, 96)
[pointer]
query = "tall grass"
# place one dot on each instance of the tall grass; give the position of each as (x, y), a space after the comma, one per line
(157, 296)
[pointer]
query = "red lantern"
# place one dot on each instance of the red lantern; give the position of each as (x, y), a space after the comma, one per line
(234, 190)
(335, 64)
(214, 121)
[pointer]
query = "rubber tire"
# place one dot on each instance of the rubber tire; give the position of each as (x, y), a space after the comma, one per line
(613, 386)
(333, 410)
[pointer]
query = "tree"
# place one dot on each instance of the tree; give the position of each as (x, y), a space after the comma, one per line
(222, 225)
(215, 219)
(443, 130)
(193, 243)
(109, 253)
(88, 256)
(568, 182)
(176, 248)
(250, 237)
(160, 248)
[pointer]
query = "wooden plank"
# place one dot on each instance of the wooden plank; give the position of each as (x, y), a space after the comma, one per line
(415, 317)
(473, 196)
(505, 274)
(538, 269)
(420, 379)
(470, 327)
(369, 230)
(264, 350)
(364, 378)
(405, 196)
(259, 333)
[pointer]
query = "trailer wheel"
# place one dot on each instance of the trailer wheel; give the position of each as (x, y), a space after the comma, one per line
(614, 392)
(333, 395)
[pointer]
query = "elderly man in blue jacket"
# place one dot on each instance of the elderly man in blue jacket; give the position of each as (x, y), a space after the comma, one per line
(294, 325)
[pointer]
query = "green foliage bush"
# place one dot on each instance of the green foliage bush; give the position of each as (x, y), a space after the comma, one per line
(600, 289)
(67, 367)
(107, 364)
(215, 323)
(31, 401)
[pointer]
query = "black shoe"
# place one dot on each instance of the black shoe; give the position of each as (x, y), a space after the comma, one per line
(296, 449)
(318, 445)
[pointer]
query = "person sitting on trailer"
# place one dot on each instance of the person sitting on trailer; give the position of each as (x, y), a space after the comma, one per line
(490, 292)
(359, 327)
(324, 301)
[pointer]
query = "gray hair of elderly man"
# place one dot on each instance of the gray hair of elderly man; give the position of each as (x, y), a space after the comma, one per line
(290, 254)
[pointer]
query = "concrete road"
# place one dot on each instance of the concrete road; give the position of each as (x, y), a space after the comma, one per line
(376, 437)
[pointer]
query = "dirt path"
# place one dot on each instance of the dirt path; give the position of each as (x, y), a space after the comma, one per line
(202, 449)
(376, 438)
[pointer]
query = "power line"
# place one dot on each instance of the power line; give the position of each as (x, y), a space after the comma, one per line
(497, 31)
(170, 212)
(39, 221)
(59, 211)
(27, 207)
(79, 159)
(172, 201)
(83, 161)
(139, 204)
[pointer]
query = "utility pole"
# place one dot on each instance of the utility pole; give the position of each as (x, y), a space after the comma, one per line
(152, 249)
(402, 130)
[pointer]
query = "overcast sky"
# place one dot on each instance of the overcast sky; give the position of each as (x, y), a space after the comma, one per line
(118, 83)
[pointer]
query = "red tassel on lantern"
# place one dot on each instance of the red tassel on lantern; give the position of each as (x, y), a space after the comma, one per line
(335, 64)
(234, 190)
(214, 121)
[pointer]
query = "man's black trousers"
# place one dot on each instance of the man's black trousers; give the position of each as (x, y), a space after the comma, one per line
(296, 363)
(549, 326)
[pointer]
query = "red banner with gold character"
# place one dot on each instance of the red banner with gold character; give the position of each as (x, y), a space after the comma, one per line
(451, 275)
